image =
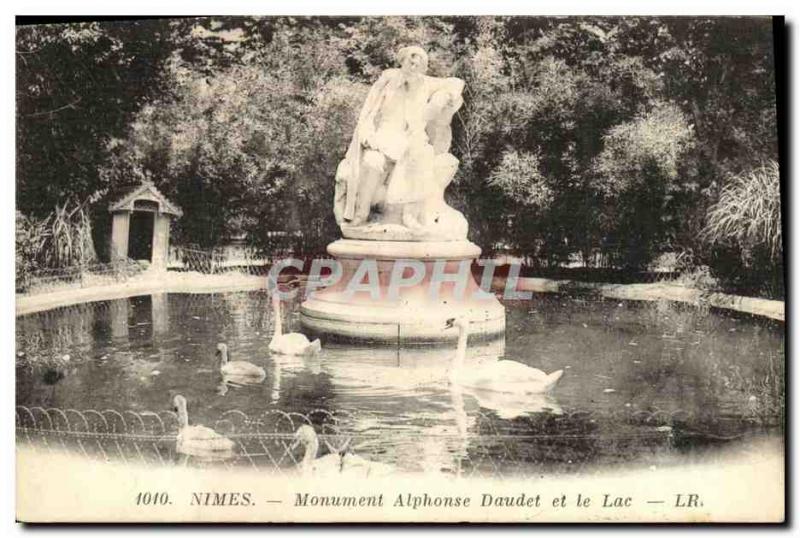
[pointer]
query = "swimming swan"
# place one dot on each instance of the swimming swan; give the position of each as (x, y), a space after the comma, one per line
(335, 462)
(237, 371)
(291, 343)
(199, 440)
(500, 376)
(311, 464)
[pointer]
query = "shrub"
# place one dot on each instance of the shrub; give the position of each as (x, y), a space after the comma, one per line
(636, 173)
(519, 178)
(650, 145)
(748, 213)
(62, 239)
(744, 232)
(26, 242)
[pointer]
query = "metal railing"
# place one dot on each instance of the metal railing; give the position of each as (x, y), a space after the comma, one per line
(216, 261)
(483, 446)
(81, 276)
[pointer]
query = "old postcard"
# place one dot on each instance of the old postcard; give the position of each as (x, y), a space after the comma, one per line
(400, 269)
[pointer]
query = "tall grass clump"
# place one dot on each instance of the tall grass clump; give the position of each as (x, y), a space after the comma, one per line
(743, 229)
(67, 238)
(748, 211)
(61, 240)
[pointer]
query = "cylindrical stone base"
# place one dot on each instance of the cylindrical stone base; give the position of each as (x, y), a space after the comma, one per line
(375, 307)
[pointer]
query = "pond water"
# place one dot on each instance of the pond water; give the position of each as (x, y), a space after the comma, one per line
(650, 383)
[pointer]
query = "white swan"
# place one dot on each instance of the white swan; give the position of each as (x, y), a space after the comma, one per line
(500, 376)
(290, 343)
(311, 464)
(334, 463)
(237, 371)
(199, 440)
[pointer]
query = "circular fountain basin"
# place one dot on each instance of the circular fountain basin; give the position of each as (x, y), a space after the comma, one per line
(402, 292)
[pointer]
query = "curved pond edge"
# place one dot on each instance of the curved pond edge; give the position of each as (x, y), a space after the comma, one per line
(658, 291)
(175, 282)
(169, 282)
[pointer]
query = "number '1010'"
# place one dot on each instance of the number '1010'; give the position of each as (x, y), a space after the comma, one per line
(146, 498)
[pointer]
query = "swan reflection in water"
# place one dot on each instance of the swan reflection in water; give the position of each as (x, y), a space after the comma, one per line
(397, 392)
(373, 371)
(236, 381)
(405, 409)
(290, 365)
(510, 406)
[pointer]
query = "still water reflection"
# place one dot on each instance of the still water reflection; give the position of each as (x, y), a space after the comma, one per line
(641, 380)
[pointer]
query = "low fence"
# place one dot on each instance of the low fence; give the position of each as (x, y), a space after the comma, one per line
(481, 445)
(80, 276)
(222, 260)
(216, 261)
(226, 260)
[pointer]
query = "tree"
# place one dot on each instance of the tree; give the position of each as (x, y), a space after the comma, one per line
(78, 85)
(600, 140)
(250, 148)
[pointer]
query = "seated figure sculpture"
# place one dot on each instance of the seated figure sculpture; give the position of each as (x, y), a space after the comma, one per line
(391, 182)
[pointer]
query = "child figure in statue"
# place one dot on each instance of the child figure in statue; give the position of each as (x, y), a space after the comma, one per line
(426, 187)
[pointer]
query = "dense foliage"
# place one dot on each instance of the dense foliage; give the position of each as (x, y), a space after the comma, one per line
(598, 140)
(745, 234)
(62, 239)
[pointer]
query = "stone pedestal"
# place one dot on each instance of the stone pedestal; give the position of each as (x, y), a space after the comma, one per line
(402, 314)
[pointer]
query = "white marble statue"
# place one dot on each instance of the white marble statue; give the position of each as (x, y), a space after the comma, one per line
(391, 182)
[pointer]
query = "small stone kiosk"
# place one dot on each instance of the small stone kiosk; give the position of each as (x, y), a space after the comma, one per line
(141, 220)
(389, 204)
